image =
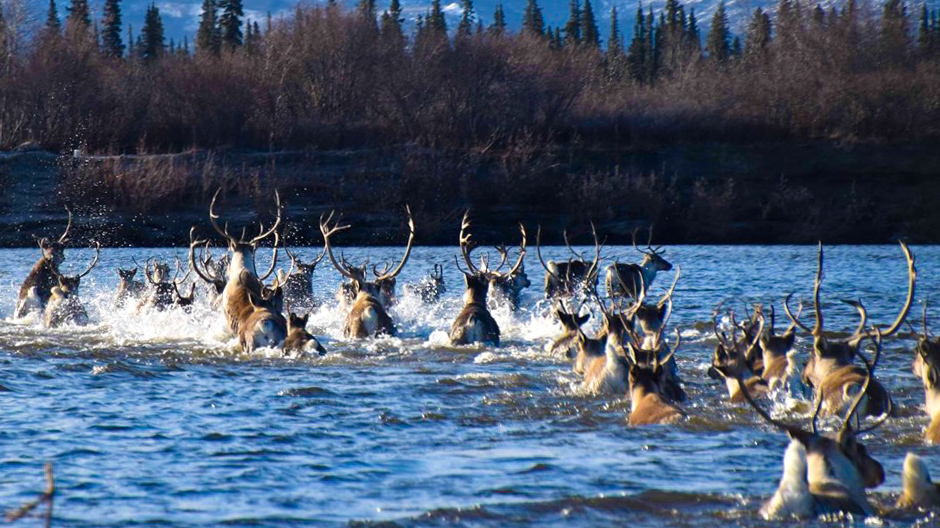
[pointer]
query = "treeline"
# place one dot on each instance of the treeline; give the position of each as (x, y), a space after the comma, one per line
(326, 77)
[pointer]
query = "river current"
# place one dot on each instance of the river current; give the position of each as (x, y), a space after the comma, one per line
(158, 419)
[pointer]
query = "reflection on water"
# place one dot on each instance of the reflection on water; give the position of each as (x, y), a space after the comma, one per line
(157, 418)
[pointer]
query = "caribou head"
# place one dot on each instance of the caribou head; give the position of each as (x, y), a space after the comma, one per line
(299, 340)
(509, 286)
(242, 250)
(650, 391)
(630, 279)
(53, 251)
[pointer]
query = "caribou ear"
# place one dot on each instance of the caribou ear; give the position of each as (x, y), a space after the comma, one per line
(583, 319)
(790, 338)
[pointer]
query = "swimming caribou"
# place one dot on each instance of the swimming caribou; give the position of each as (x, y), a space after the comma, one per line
(630, 279)
(926, 366)
(830, 370)
(837, 470)
(368, 315)
(564, 279)
(474, 323)
(43, 277)
(247, 304)
(64, 306)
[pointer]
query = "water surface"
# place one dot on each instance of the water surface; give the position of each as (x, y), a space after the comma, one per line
(157, 419)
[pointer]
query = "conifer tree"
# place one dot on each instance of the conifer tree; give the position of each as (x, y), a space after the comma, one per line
(573, 25)
(366, 10)
(894, 30)
(614, 45)
(230, 23)
(532, 21)
(436, 21)
(130, 42)
(208, 39)
(736, 50)
(499, 21)
(79, 15)
(652, 47)
(52, 18)
(111, 43)
(717, 45)
(693, 36)
(391, 29)
(923, 30)
(637, 51)
(758, 33)
(589, 34)
(466, 19)
(152, 43)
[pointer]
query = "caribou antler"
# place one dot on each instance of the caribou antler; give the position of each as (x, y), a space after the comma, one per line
(522, 248)
(277, 222)
(94, 261)
(870, 372)
(465, 244)
(671, 290)
(327, 231)
(213, 218)
(538, 251)
(277, 240)
(68, 226)
(404, 259)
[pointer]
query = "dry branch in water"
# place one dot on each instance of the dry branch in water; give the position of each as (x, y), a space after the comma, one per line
(45, 497)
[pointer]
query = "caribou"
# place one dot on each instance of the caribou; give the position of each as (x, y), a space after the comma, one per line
(508, 287)
(164, 292)
(606, 369)
(367, 316)
(926, 366)
(650, 404)
(246, 303)
(830, 370)
(474, 323)
(298, 286)
(128, 288)
(299, 340)
(838, 470)
(565, 279)
(64, 306)
(778, 359)
(729, 360)
(920, 492)
(213, 272)
(630, 279)
(566, 345)
(42, 278)
(430, 289)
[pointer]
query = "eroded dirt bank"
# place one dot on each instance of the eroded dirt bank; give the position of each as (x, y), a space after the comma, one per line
(696, 193)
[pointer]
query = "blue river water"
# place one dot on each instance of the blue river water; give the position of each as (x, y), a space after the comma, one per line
(157, 418)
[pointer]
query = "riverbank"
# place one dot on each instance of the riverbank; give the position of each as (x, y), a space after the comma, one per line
(693, 193)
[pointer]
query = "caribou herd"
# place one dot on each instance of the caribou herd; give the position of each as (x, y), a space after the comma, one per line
(630, 355)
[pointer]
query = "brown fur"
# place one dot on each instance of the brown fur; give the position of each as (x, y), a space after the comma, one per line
(474, 323)
(298, 338)
(355, 325)
(648, 406)
(42, 277)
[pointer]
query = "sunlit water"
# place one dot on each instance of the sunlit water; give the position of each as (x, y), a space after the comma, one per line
(159, 419)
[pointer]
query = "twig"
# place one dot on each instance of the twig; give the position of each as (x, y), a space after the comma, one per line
(46, 496)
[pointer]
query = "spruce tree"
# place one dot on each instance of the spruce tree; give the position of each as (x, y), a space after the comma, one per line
(391, 29)
(637, 52)
(532, 21)
(466, 19)
(366, 10)
(614, 45)
(79, 15)
(589, 34)
(693, 36)
(923, 31)
(230, 23)
(894, 30)
(111, 43)
(152, 34)
(499, 21)
(758, 33)
(436, 21)
(573, 25)
(208, 39)
(736, 47)
(717, 44)
(52, 18)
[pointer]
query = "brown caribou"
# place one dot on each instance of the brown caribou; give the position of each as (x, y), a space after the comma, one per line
(367, 315)
(920, 492)
(630, 279)
(247, 304)
(507, 287)
(838, 470)
(299, 340)
(729, 361)
(650, 404)
(128, 288)
(164, 291)
(298, 286)
(564, 279)
(830, 370)
(42, 278)
(474, 323)
(926, 366)
(64, 306)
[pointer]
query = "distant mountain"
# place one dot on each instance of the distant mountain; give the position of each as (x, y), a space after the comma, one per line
(181, 17)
